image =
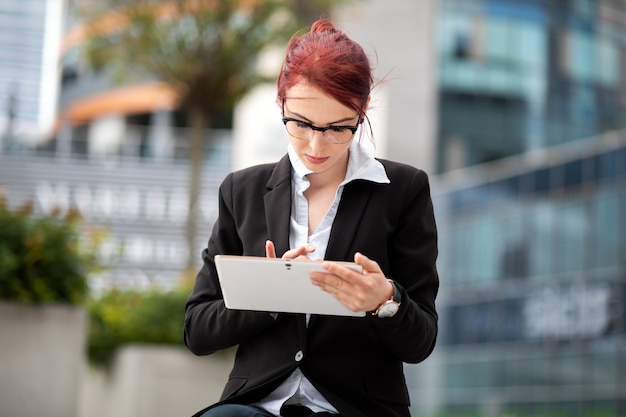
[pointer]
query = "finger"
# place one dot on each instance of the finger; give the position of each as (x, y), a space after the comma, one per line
(270, 249)
(301, 250)
(330, 283)
(324, 280)
(368, 265)
(339, 289)
(339, 283)
(345, 273)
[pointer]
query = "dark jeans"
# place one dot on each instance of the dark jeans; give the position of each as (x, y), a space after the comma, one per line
(236, 410)
(239, 410)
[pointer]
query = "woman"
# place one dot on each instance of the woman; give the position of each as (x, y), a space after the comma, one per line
(326, 199)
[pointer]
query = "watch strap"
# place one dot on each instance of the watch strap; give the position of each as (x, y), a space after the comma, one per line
(397, 295)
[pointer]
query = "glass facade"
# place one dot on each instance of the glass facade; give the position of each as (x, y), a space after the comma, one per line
(21, 44)
(533, 270)
(521, 75)
(30, 32)
(572, 205)
(531, 208)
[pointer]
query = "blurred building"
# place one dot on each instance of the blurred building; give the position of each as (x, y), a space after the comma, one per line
(516, 76)
(533, 306)
(30, 36)
(530, 205)
(102, 115)
(116, 152)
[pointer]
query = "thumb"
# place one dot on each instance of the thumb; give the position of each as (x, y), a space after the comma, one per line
(367, 264)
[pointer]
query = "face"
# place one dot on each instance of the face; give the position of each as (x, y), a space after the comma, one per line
(309, 104)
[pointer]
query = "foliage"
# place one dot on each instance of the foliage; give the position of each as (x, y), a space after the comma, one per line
(206, 50)
(121, 317)
(47, 258)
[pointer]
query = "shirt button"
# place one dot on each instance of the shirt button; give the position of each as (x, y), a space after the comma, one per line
(299, 356)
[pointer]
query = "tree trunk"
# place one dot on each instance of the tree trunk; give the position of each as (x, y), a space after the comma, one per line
(199, 127)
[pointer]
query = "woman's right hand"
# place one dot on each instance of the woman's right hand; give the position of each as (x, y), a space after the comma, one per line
(298, 253)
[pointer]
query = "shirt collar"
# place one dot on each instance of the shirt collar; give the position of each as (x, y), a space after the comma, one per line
(361, 166)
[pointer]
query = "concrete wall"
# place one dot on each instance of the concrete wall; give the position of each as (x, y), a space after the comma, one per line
(41, 356)
(154, 381)
(43, 371)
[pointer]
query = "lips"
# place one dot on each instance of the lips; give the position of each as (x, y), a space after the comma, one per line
(315, 160)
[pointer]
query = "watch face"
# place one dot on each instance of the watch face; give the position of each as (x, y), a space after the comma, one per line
(388, 310)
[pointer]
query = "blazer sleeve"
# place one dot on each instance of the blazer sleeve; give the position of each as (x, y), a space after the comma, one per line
(209, 325)
(411, 334)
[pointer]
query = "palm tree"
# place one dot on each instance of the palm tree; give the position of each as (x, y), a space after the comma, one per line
(206, 50)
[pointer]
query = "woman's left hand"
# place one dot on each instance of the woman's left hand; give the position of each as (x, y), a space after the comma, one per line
(358, 291)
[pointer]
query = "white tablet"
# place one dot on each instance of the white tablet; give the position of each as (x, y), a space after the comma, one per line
(276, 285)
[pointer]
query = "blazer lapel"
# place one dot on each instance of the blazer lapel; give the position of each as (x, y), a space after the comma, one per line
(277, 201)
(356, 196)
(278, 205)
(354, 200)
(277, 216)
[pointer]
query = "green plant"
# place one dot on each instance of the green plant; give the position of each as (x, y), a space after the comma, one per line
(120, 317)
(45, 258)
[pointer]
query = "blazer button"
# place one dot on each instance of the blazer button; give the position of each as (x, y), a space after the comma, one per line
(299, 356)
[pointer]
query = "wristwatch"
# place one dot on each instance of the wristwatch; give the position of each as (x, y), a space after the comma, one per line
(390, 307)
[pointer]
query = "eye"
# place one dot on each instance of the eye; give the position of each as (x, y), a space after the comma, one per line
(301, 124)
(337, 129)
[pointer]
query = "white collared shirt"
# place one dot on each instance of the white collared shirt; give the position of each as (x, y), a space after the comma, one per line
(297, 389)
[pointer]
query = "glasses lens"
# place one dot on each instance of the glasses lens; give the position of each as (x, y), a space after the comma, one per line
(301, 130)
(338, 134)
(298, 129)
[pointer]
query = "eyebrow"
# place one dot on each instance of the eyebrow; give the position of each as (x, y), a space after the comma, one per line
(346, 119)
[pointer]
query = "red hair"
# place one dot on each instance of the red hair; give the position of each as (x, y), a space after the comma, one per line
(327, 59)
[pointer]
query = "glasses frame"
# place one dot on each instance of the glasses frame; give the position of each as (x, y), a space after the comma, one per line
(353, 129)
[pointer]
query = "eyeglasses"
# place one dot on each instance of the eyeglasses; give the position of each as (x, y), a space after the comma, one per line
(334, 134)
(302, 130)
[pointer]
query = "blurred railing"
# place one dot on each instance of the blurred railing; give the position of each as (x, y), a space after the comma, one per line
(138, 197)
(143, 144)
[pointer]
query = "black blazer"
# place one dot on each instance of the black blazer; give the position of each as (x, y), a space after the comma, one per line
(356, 363)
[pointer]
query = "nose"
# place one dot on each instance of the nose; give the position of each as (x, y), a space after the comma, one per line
(317, 140)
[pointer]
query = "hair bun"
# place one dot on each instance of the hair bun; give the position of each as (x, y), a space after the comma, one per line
(323, 25)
